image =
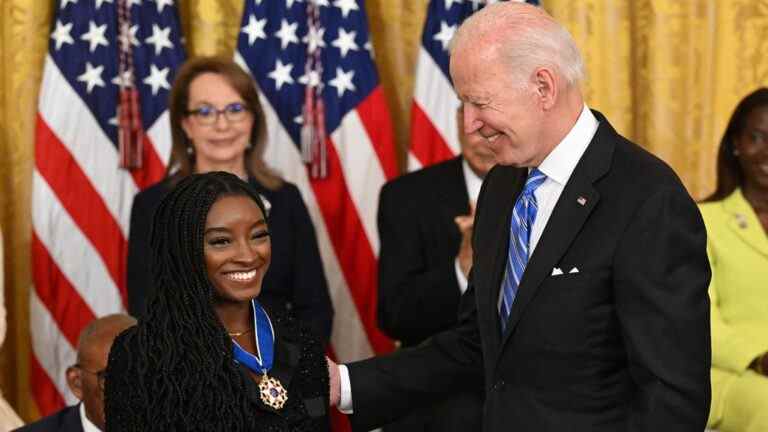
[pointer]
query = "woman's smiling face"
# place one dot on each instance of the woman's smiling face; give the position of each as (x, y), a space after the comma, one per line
(237, 248)
(752, 147)
(223, 141)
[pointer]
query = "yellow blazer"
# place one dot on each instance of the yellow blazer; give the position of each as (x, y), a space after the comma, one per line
(738, 253)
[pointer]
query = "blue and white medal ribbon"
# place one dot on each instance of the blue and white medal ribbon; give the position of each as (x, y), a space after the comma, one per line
(273, 393)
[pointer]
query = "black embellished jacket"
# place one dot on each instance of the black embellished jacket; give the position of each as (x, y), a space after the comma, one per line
(299, 365)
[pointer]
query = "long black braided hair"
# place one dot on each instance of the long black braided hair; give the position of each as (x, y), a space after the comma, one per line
(179, 372)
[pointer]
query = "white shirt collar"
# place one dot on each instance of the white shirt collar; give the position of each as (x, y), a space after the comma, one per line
(87, 425)
(561, 161)
(472, 181)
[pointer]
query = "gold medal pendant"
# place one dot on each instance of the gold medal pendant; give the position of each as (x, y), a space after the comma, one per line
(273, 393)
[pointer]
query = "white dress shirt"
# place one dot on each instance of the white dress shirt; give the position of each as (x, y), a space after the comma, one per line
(558, 167)
(87, 425)
(473, 183)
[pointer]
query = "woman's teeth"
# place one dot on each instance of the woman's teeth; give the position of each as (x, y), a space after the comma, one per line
(241, 276)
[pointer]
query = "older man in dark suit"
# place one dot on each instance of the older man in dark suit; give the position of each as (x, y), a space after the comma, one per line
(86, 379)
(425, 226)
(587, 308)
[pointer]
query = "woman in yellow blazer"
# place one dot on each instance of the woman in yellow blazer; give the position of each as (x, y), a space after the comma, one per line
(736, 216)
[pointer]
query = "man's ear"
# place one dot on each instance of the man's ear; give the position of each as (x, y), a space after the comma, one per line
(545, 85)
(75, 381)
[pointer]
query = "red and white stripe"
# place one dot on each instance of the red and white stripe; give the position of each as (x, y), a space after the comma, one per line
(434, 132)
(343, 209)
(81, 203)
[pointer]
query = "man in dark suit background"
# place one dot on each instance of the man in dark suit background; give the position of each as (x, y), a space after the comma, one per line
(425, 226)
(587, 306)
(86, 379)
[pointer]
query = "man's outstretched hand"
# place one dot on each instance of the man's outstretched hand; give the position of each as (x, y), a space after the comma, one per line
(335, 382)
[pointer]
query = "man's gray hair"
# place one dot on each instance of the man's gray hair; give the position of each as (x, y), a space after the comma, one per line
(527, 38)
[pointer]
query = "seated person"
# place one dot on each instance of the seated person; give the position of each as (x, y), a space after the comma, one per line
(86, 379)
(425, 226)
(208, 356)
(736, 216)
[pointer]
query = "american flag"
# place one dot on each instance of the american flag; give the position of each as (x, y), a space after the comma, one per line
(288, 45)
(434, 132)
(81, 198)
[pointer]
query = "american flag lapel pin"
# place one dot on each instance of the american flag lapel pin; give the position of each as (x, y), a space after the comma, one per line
(581, 200)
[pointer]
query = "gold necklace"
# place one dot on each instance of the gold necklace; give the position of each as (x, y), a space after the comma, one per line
(238, 334)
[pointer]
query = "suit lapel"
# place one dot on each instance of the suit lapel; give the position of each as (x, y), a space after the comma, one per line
(514, 177)
(576, 202)
(744, 222)
(453, 193)
(72, 422)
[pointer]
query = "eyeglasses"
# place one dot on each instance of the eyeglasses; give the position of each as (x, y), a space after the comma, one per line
(100, 375)
(207, 115)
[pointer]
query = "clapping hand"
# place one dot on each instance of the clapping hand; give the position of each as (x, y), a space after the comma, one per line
(465, 225)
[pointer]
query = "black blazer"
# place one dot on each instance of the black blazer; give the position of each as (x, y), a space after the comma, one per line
(418, 291)
(66, 420)
(419, 243)
(622, 345)
(299, 365)
(295, 279)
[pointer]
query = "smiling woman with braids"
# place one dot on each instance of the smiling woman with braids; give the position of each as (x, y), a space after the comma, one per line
(208, 356)
(218, 124)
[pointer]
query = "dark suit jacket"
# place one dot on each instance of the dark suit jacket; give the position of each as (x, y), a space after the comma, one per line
(295, 278)
(419, 243)
(418, 291)
(622, 345)
(66, 420)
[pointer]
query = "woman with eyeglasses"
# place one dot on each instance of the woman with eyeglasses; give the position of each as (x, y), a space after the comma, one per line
(217, 124)
(210, 355)
(736, 217)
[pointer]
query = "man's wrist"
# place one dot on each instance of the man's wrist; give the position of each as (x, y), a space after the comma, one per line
(345, 391)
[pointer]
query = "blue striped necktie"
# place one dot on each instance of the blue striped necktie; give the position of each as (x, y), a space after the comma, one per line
(520, 226)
